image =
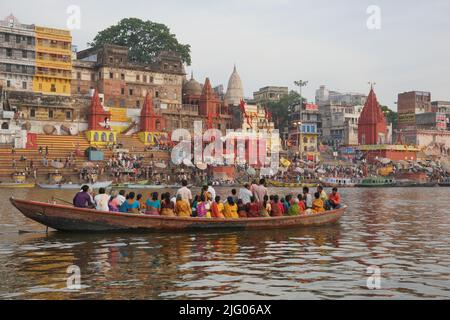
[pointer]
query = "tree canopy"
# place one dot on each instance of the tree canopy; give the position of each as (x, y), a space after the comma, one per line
(280, 110)
(391, 116)
(145, 40)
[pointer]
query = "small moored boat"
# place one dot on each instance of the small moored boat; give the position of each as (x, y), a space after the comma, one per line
(338, 182)
(70, 219)
(374, 182)
(70, 186)
(14, 185)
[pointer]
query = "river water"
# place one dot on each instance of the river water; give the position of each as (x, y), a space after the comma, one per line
(403, 232)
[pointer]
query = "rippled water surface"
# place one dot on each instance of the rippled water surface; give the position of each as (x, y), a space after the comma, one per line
(405, 232)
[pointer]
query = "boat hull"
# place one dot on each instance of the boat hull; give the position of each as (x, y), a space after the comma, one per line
(97, 185)
(16, 185)
(69, 219)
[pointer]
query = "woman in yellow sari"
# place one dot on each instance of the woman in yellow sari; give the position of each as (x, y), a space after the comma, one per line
(182, 208)
(230, 210)
(318, 205)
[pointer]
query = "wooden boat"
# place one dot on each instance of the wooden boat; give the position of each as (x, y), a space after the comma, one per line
(279, 184)
(338, 182)
(70, 219)
(374, 182)
(444, 183)
(16, 185)
(70, 186)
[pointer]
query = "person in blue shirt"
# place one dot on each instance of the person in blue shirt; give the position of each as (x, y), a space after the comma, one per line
(131, 205)
(153, 205)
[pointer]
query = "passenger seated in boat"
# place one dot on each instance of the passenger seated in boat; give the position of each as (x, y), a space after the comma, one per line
(323, 194)
(334, 199)
(182, 208)
(318, 205)
(301, 203)
(266, 207)
(242, 209)
(130, 205)
(234, 195)
(294, 209)
(141, 202)
(217, 209)
(121, 198)
(202, 211)
(277, 207)
(253, 208)
(102, 200)
(153, 205)
(194, 206)
(231, 209)
(307, 198)
(114, 202)
(83, 199)
(167, 206)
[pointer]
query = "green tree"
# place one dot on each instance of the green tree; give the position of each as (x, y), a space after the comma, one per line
(391, 116)
(280, 110)
(145, 40)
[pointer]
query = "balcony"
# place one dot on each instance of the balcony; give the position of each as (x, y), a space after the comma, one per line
(54, 64)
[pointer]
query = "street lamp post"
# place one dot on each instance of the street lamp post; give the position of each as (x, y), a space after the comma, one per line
(300, 84)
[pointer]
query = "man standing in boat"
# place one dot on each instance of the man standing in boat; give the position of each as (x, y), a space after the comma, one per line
(184, 192)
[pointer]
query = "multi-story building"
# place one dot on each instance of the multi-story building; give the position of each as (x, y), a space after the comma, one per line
(53, 61)
(270, 94)
(325, 97)
(443, 108)
(17, 55)
(340, 124)
(305, 130)
(410, 104)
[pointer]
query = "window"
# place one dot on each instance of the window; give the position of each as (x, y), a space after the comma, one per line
(157, 94)
(111, 75)
(144, 78)
(24, 54)
(122, 102)
(8, 83)
(122, 76)
(151, 79)
(32, 113)
(68, 115)
(131, 92)
(6, 37)
(24, 69)
(111, 59)
(122, 91)
(53, 88)
(138, 104)
(50, 114)
(24, 85)
(9, 53)
(79, 75)
(8, 68)
(17, 39)
(29, 41)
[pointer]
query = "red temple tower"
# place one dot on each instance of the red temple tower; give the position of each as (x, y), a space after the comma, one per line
(98, 117)
(209, 104)
(151, 124)
(150, 121)
(372, 125)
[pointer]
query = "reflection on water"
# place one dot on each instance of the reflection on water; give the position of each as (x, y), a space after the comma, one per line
(394, 229)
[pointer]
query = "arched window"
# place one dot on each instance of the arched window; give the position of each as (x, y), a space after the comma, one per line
(5, 126)
(96, 137)
(104, 138)
(111, 137)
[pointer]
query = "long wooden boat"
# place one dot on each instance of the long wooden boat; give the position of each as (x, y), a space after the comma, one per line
(70, 186)
(15, 185)
(338, 182)
(279, 184)
(70, 219)
(376, 182)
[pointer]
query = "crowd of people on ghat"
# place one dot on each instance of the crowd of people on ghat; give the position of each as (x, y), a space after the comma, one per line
(252, 201)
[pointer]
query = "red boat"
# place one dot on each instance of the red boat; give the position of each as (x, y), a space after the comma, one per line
(70, 219)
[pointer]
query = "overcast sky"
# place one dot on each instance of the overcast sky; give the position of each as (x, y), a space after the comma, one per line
(275, 42)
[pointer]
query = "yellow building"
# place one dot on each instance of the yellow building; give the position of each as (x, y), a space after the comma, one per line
(53, 61)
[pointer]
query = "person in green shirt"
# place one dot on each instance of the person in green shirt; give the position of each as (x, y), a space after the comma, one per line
(294, 209)
(323, 194)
